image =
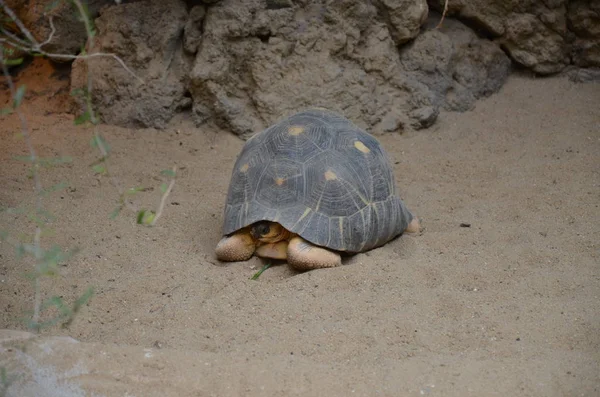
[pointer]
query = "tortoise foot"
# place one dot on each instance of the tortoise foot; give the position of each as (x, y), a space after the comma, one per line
(237, 247)
(414, 226)
(302, 255)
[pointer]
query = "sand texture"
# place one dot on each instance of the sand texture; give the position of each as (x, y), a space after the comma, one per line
(506, 307)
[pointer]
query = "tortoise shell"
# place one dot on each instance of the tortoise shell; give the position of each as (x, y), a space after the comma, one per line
(321, 177)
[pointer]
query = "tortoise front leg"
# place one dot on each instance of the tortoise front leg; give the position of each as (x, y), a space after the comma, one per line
(303, 255)
(240, 246)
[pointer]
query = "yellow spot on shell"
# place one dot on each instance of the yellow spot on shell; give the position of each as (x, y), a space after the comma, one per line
(295, 130)
(330, 175)
(279, 181)
(244, 167)
(361, 146)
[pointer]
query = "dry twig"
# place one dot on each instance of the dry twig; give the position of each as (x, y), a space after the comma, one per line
(443, 14)
(35, 47)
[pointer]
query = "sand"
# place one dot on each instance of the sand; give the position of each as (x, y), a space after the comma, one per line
(507, 306)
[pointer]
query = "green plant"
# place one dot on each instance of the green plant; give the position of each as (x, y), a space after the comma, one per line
(15, 36)
(5, 381)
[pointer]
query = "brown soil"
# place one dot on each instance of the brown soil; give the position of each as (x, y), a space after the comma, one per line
(507, 306)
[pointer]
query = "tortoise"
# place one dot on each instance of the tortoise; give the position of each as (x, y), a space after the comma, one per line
(309, 188)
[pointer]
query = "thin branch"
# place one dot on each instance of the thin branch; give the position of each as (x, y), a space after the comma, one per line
(18, 41)
(163, 199)
(443, 14)
(16, 20)
(68, 56)
(37, 47)
(34, 46)
(36, 180)
(90, 107)
(53, 30)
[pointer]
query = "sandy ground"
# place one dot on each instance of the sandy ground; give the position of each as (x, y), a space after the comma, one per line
(508, 306)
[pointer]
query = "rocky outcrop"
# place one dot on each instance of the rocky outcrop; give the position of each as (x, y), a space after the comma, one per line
(257, 64)
(455, 64)
(583, 19)
(147, 36)
(544, 36)
(382, 63)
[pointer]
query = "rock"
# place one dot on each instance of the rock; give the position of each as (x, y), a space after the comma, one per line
(485, 15)
(405, 18)
(531, 43)
(147, 36)
(584, 21)
(277, 4)
(532, 32)
(425, 116)
(544, 36)
(70, 34)
(259, 63)
(192, 35)
(456, 65)
(583, 75)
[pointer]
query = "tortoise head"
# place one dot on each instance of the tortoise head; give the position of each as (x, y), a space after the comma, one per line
(268, 232)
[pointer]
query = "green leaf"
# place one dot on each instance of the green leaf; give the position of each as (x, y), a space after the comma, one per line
(26, 159)
(116, 212)
(79, 92)
(258, 273)
(6, 380)
(99, 169)
(163, 188)
(37, 220)
(82, 118)
(51, 258)
(13, 62)
(8, 51)
(83, 299)
(99, 141)
(20, 251)
(55, 301)
(19, 96)
(41, 217)
(57, 160)
(145, 217)
(47, 214)
(140, 216)
(168, 172)
(54, 188)
(14, 210)
(149, 218)
(52, 161)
